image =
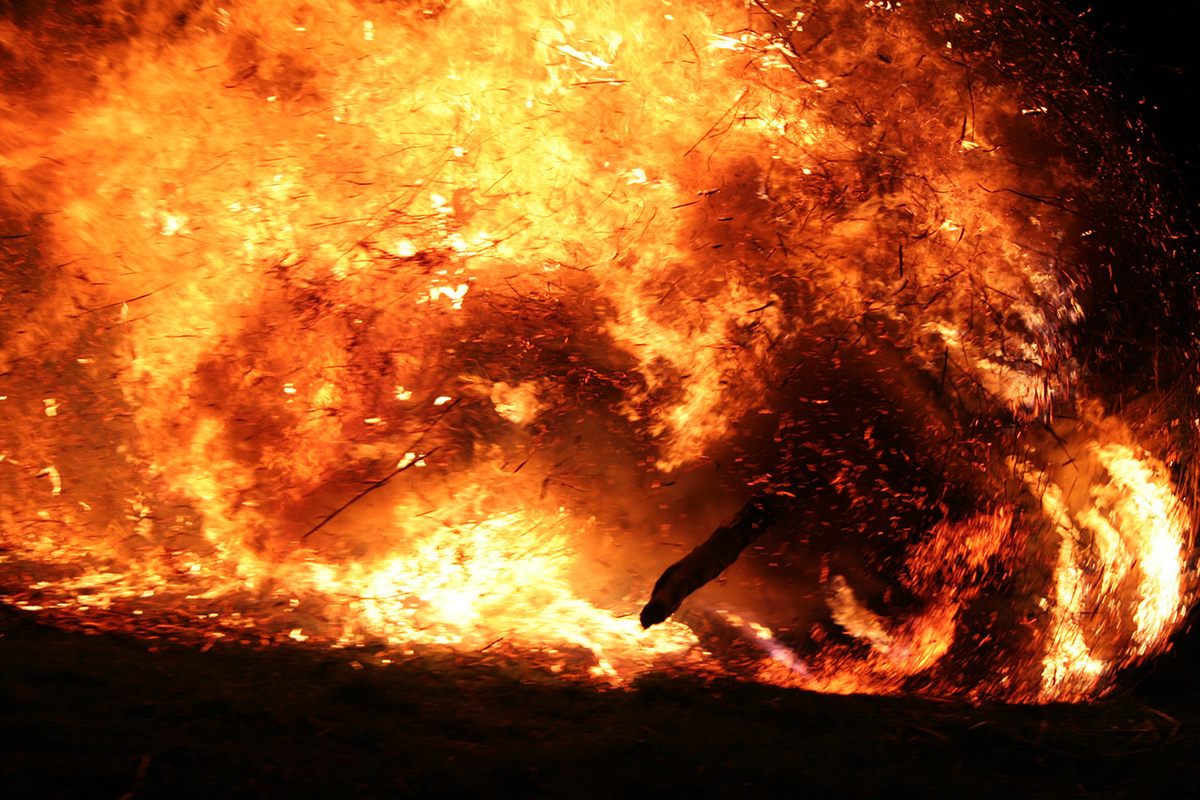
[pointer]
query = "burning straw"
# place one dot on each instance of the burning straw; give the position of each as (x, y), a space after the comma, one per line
(453, 324)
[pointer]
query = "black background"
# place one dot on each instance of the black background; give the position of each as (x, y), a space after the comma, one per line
(1153, 53)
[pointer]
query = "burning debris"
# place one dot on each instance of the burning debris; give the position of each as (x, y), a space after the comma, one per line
(707, 560)
(447, 325)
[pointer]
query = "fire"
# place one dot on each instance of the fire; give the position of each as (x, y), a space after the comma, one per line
(429, 325)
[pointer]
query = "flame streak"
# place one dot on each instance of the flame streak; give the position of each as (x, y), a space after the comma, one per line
(1130, 541)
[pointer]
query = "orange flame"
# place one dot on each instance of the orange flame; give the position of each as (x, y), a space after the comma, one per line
(493, 275)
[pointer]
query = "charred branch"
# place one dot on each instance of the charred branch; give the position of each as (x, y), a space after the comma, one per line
(709, 559)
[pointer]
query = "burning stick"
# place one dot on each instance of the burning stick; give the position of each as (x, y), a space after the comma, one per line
(710, 558)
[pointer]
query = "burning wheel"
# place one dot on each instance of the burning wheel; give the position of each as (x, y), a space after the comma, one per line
(432, 324)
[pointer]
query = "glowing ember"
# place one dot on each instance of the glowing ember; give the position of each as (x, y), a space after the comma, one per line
(452, 324)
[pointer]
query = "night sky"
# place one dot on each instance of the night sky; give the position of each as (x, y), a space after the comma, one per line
(1155, 55)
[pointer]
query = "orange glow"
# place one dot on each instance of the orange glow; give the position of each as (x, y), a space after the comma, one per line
(442, 324)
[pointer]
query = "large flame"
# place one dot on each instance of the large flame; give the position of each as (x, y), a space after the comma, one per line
(426, 324)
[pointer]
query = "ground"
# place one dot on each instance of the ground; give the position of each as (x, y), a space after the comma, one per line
(112, 716)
